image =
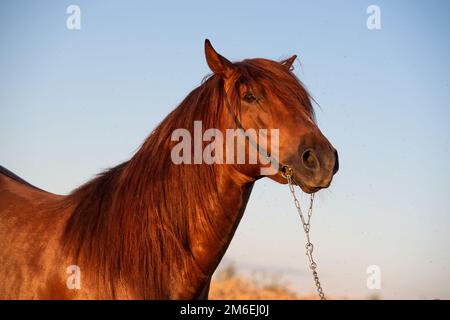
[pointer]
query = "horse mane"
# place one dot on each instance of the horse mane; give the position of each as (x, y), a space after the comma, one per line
(133, 222)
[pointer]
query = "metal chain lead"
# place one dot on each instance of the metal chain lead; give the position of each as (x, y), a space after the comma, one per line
(287, 173)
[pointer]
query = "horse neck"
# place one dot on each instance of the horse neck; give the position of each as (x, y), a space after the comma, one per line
(156, 213)
(211, 203)
(210, 243)
(198, 208)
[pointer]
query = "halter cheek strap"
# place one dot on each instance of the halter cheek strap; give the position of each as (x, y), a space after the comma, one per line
(283, 169)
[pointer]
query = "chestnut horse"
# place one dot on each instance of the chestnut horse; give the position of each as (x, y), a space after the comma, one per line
(149, 228)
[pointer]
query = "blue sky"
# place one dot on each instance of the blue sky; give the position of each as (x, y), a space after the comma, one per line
(73, 103)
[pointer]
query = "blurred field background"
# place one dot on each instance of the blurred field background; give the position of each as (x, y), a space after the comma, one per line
(231, 284)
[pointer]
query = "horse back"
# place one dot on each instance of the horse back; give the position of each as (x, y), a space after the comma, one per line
(20, 200)
(31, 222)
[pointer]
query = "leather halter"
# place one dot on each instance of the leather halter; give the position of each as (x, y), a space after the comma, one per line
(282, 168)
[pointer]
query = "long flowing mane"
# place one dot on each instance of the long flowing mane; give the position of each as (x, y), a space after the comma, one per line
(132, 220)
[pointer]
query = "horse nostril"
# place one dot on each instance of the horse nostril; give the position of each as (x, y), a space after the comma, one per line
(309, 160)
(336, 162)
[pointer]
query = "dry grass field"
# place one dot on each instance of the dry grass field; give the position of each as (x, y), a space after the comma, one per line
(230, 285)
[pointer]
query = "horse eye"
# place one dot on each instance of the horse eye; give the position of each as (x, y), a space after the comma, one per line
(249, 98)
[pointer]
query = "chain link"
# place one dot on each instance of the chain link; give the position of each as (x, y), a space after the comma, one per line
(306, 223)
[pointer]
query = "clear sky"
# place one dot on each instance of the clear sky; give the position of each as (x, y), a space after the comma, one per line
(74, 102)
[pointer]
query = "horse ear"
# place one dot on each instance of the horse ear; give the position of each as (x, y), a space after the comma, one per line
(289, 61)
(218, 64)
